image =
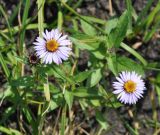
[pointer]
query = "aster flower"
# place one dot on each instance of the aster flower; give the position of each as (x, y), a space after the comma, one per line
(53, 47)
(129, 87)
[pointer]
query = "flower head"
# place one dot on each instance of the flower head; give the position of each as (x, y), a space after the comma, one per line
(33, 59)
(129, 87)
(53, 47)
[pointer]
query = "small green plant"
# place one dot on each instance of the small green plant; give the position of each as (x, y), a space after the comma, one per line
(72, 64)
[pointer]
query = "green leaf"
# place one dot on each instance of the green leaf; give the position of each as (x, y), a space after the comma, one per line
(63, 120)
(144, 12)
(112, 64)
(58, 72)
(9, 131)
(4, 66)
(56, 101)
(27, 81)
(69, 98)
(95, 20)
(29, 116)
(85, 92)
(80, 36)
(40, 4)
(131, 129)
(110, 25)
(149, 34)
(100, 52)
(82, 76)
(101, 120)
(95, 77)
(158, 93)
(126, 64)
(134, 53)
(22, 33)
(118, 34)
(2, 43)
(96, 102)
(7, 93)
(7, 113)
(151, 16)
(53, 105)
(87, 28)
(110, 100)
(98, 49)
(129, 9)
(85, 44)
(46, 91)
(60, 20)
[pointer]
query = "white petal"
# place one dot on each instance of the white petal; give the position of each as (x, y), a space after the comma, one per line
(38, 44)
(44, 35)
(120, 80)
(42, 54)
(61, 55)
(117, 91)
(62, 38)
(45, 58)
(57, 34)
(65, 42)
(55, 59)
(40, 40)
(117, 84)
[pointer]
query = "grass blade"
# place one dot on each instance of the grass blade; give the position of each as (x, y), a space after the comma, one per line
(5, 68)
(40, 16)
(133, 52)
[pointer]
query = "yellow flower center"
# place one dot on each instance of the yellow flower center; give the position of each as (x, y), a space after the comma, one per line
(130, 86)
(52, 45)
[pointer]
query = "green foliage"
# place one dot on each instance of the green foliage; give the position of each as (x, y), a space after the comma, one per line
(117, 35)
(33, 91)
(126, 64)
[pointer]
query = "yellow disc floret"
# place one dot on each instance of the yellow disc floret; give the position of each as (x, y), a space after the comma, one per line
(130, 86)
(52, 45)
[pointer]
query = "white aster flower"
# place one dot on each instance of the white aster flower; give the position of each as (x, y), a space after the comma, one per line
(129, 87)
(53, 47)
